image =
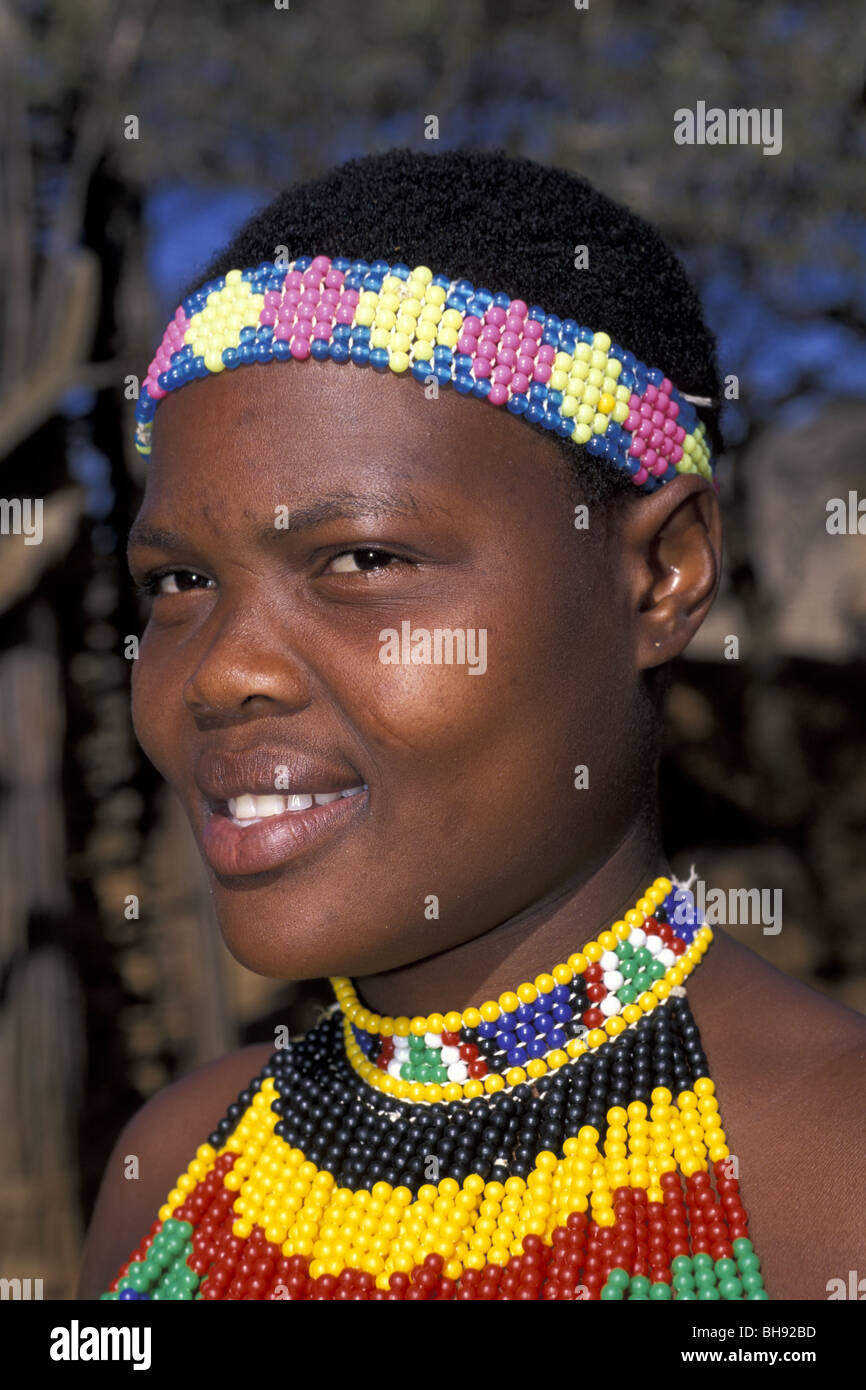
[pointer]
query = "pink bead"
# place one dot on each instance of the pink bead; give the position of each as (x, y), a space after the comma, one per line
(514, 325)
(645, 429)
(546, 353)
(325, 314)
(179, 314)
(330, 297)
(637, 447)
(507, 356)
(650, 393)
(667, 447)
(300, 347)
(676, 453)
(502, 374)
(673, 410)
(634, 402)
(322, 330)
(268, 317)
(679, 434)
(481, 368)
(525, 364)
(640, 477)
(663, 400)
(306, 311)
(468, 343)
(472, 324)
(542, 372)
(293, 281)
(498, 394)
(345, 313)
(528, 347)
(518, 309)
(646, 410)
(658, 419)
(655, 439)
(650, 458)
(489, 333)
(293, 296)
(496, 315)
(322, 264)
(487, 349)
(335, 278)
(667, 386)
(156, 391)
(273, 299)
(632, 421)
(283, 331)
(661, 467)
(668, 427)
(351, 296)
(520, 383)
(312, 278)
(533, 329)
(510, 339)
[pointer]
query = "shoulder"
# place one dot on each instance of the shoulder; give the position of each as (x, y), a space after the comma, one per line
(788, 1064)
(163, 1135)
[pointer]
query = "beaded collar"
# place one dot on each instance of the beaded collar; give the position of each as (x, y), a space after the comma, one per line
(602, 1176)
(442, 331)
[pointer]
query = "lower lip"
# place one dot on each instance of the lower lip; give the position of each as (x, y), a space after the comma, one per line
(253, 849)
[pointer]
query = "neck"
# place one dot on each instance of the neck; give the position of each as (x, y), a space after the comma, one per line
(528, 943)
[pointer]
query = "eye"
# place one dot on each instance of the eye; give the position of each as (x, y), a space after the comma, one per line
(362, 560)
(152, 586)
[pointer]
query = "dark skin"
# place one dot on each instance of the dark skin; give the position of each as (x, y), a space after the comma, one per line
(471, 779)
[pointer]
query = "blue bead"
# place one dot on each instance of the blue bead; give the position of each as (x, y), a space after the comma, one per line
(536, 312)
(669, 474)
(553, 324)
(320, 349)
(560, 994)
(656, 376)
(443, 375)
(544, 1024)
(526, 1013)
(128, 1294)
(464, 384)
(162, 381)
(341, 332)
(263, 352)
(246, 335)
(570, 327)
(420, 371)
(456, 301)
(231, 357)
(265, 333)
(402, 270)
(482, 388)
(360, 353)
(340, 263)
(525, 1032)
(379, 359)
(557, 1038)
(486, 1030)
(339, 352)
(538, 1047)
(562, 1013)
(441, 353)
(506, 1021)
(501, 300)
(517, 404)
(464, 286)
(463, 362)
(556, 398)
(537, 391)
(282, 351)
(442, 280)
(507, 1041)
(303, 262)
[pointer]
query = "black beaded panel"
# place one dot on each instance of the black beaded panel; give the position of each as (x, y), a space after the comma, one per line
(346, 1126)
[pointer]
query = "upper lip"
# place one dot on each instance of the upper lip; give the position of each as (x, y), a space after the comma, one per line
(266, 771)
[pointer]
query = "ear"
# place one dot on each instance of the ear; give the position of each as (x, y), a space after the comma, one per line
(672, 547)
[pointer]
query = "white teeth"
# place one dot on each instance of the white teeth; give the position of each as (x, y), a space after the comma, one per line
(250, 808)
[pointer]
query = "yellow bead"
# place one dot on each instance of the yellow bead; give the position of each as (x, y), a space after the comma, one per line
(473, 1088)
(402, 1026)
(398, 361)
(664, 884)
(535, 1068)
(509, 1002)
(544, 983)
(645, 906)
(593, 952)
(582, 434)
(453, 1022)
(596, 1037)
(493, 1083)
(418, 1026)
(557, 1058)
(563, 974)
(452, 1090)
(490, 1011)
(614, 1026)
(432, 1091)
(527, 993)
(471, 1019)
(515, 1075)
(704, 1087)
(435, 1023)
(578, 963)
(606, 403)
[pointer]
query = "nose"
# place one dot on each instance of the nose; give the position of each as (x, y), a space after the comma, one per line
(246, 662)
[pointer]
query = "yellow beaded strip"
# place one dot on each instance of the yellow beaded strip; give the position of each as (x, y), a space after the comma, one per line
(431, 1091)
(300, 1207)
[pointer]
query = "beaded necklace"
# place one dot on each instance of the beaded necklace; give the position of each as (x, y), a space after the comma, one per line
(564, 1142)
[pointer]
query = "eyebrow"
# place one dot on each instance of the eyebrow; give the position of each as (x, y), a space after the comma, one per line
(343, 506)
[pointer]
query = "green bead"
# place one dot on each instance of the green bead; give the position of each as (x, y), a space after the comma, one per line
(752, 1280)
(639, 1298)
(440, 1074)
(407, 1072)
(681, 1264)
(619, 1278)
(703, 1260)
(627, 995)
(730, 1288)
(683, 1281)
(657, 970)
(611, 1291)
(705, 1279)
(743, 1246)
(709, 1291)
(687, 1294)
(185, 1228)
(643, 956)
(105, 1297)
(625, 951)
(759, 1293)
(724, 1268)
(640, 1285)
(747, 1263)
(416, 1043)
(660, 1291)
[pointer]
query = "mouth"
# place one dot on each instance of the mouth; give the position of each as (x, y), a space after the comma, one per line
(251, 834)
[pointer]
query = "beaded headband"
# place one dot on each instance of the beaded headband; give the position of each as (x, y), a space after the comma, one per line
(548, 370)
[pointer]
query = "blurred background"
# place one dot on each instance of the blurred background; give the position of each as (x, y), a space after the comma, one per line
(135, 140)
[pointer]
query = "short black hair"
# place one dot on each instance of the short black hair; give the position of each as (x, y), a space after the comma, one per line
(507, 223)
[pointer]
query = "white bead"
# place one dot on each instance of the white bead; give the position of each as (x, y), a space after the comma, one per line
(609, 960)
(667, 957)
(449, 1055)
(401, 1049)
(433, 1039)
(654, 944)
(612, 979)
(637, 936)
(458, 1071)
(610, 1006)
(394, 1067)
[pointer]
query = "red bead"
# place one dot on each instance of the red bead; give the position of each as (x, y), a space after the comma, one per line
(593, 1018)
(451, 1039)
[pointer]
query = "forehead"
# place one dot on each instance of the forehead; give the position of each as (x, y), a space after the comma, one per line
(311, 420)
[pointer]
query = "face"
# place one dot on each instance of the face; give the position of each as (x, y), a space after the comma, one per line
(313, 508)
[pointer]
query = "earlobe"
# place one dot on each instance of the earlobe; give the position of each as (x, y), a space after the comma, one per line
(675, 541)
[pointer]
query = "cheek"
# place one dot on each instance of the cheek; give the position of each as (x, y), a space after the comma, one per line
(151, 708)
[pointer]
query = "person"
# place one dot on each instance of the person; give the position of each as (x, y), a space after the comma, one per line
(410, 629)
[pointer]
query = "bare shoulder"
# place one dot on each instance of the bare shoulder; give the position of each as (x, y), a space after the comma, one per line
(163, 1135)
(789, 1065)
